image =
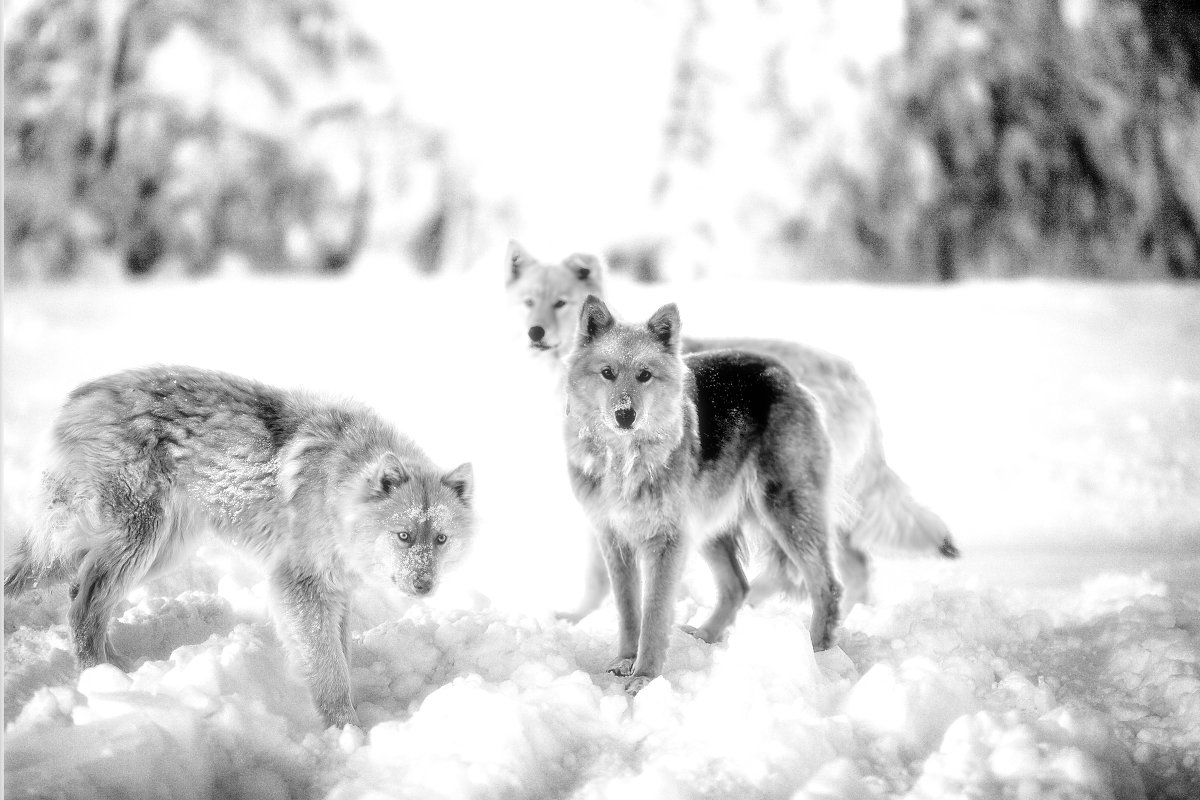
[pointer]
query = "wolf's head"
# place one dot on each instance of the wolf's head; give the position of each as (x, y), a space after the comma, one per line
(627, 378)
(548, 296)
(411, 522)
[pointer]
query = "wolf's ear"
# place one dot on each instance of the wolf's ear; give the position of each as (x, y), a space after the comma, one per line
(594, 320)
(461, 481)
(665, 326)
(518, 259)
(388, 474)
(586, 267)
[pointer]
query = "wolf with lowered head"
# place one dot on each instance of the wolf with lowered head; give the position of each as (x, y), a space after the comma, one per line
(666, 453)
(145, 461)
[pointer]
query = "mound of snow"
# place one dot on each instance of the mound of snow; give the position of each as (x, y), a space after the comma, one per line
(1052, 660)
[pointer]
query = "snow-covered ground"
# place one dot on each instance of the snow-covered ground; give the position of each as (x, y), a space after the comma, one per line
(1055, 426)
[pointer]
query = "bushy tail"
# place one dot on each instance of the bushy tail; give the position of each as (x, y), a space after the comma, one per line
(38, 557)
(21, 572)
(891, 519)
(24, 570)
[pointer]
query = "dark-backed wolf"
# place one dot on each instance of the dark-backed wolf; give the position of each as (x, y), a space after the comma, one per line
(880, 512)
(144, 461)
(665, 453)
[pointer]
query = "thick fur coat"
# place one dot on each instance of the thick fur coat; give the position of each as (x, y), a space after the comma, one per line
(146, 461)
(666, 453)
(877, 511)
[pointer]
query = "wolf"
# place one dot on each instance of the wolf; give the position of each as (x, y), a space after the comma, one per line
(144, 461)
(878, 511)
(666, 452)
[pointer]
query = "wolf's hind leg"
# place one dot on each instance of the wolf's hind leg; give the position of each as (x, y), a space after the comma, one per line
(106, 575)
(721, 553)
(798, 526)
(595, 586)
(773, 580)
(344, 633)
(854, 568)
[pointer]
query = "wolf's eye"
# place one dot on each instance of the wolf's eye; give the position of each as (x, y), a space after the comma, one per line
(608, 374)
(559, 303)
(441, 538)
(403, 536)
(644, 376)
(529, 302)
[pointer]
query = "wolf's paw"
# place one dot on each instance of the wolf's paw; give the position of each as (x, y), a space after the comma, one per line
(349, 736)
(117, 659)
(620, 666)
(701, 633)
(342, 718)
(636, 684)
(949, 549)
(572, 617)
(121, 662)
(824, 642)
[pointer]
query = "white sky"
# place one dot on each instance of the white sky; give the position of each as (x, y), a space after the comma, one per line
(562, 102)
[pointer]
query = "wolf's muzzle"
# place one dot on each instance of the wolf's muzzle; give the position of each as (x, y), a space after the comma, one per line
(625, 417)
(537, 338)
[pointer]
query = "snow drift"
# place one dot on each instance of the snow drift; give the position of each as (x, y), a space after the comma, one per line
(1056, 427)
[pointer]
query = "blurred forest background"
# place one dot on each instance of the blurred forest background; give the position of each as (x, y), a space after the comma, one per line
(929, 140)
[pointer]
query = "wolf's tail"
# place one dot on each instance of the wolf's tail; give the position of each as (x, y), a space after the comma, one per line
(22, 571)
(26, 569)
(38, 557)
(890, 518)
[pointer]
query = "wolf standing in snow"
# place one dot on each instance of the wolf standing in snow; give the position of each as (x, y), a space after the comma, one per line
(664, 452)
(145, 460)
(880, 510)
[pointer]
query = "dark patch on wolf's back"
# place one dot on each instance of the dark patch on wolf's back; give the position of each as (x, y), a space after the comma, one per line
(735, 392)
(801, 360)
(280, 423)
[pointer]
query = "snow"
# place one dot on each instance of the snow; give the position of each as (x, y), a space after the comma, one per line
(1055, 426)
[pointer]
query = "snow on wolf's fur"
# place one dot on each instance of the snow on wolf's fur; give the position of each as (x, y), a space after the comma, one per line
(1051, 414)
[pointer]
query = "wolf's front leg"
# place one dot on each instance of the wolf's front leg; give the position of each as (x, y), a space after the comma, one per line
(626, 586)
(664, 559)
(313, 618)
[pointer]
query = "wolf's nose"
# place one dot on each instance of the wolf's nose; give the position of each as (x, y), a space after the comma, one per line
(422, 585)
(625, 417)
(536, 333)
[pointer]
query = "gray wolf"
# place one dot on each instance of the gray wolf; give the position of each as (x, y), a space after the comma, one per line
(144, 461)
(878, 510)
(666, 452)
